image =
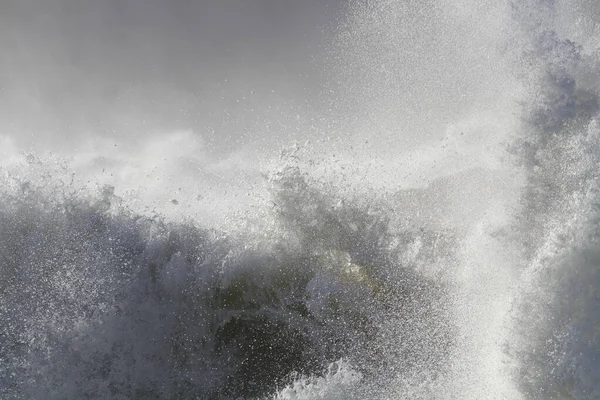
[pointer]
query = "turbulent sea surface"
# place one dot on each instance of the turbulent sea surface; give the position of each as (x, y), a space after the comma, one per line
(433, 234)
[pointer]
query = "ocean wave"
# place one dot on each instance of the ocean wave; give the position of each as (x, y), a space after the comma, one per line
(103, 303)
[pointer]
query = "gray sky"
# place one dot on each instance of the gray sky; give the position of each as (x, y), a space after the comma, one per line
(224, 68)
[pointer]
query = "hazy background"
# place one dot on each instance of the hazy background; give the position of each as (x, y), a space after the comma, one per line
(185, 99)
(224, 69)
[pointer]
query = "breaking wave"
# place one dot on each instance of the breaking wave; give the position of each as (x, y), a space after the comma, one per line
(481, 280)
(105, 303)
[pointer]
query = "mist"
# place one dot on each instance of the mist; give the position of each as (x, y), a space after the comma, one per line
(227, 70)
(299, 199)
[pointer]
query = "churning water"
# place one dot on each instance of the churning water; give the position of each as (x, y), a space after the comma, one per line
(433, 234)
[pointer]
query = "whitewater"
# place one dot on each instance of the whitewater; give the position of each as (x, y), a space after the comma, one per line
(414, 215)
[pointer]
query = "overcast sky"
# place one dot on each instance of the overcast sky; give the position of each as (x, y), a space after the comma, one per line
(69, 68)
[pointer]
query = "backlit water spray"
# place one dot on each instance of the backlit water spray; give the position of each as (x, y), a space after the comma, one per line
(404, 205)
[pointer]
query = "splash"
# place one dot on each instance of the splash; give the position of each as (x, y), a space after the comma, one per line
(435, 235)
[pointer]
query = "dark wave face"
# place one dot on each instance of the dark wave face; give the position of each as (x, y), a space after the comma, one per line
(433, 234)
(104, 303)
